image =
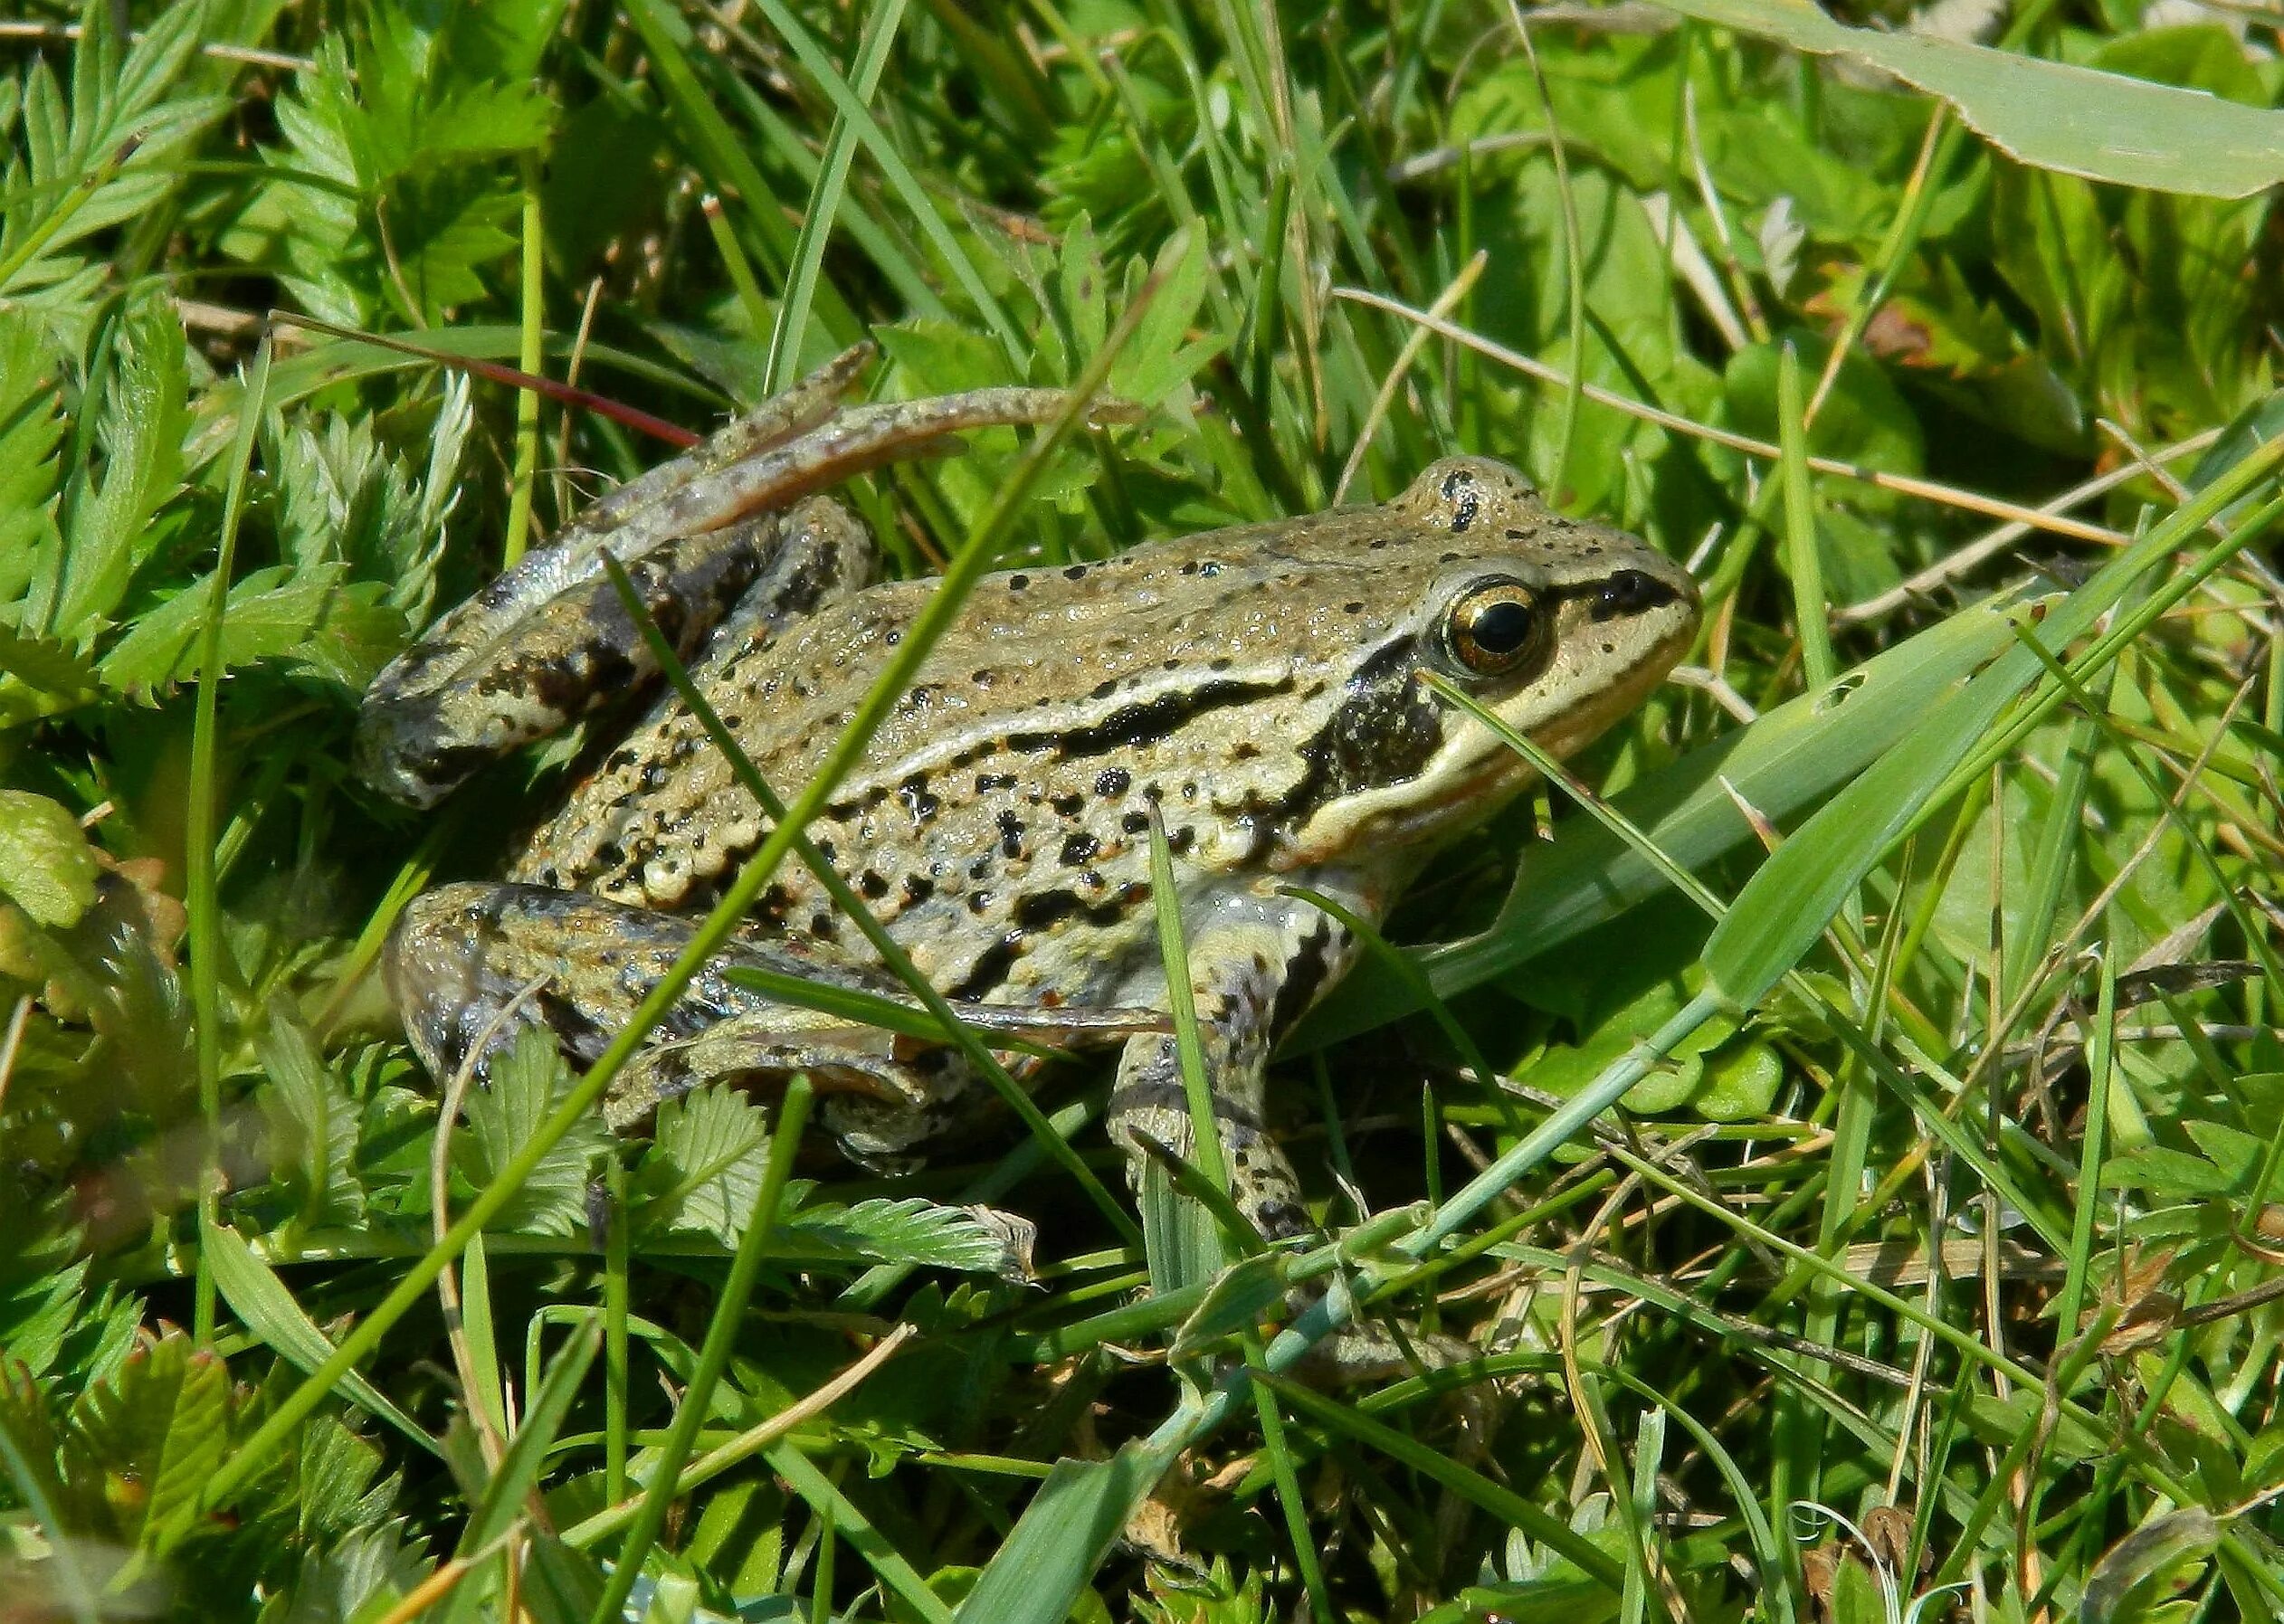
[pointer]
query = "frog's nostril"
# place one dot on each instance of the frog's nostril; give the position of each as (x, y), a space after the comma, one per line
(1630, 592)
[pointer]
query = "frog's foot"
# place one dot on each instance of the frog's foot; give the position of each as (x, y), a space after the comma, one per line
(549, 641)
(579, 966)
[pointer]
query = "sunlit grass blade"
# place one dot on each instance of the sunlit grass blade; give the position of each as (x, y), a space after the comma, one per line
(518, 1475)
(848, 105)
(200, 893)
(1183, 1238)
(1499, 1502)
(713, 1355)
(846, 1521)
(1066, 1531)
(786, 336)
(266, 1308)
(1783, 909)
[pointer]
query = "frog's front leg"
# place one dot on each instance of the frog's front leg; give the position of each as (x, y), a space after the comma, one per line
(1257, 960)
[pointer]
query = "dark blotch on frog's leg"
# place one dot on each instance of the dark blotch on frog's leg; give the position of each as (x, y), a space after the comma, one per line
(496, 674)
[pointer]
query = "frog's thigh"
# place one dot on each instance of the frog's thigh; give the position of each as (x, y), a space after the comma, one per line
(476, 959)
(1250, 978)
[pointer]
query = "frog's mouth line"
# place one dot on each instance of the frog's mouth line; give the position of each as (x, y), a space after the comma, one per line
(1576, 728)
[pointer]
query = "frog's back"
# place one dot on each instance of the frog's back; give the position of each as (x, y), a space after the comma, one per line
(1257, 685)
(1059, 701)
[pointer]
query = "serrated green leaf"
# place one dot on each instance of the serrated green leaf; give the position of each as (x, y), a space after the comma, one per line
(32, 428)
(338, 1486)
(910, 1230)
(1161, 357)
(272, 611)
(46, 665)
(109, 154)
(524, 1086)
(145, 417)
(314, 1122)
(139, 1448)
(703, 1168)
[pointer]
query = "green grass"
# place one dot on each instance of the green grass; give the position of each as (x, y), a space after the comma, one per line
(1889, 1221)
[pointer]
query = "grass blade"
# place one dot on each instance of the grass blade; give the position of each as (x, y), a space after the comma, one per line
(200, 893)
(1783, 909)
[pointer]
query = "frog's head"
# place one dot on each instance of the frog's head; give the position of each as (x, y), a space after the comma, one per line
(1558, 627)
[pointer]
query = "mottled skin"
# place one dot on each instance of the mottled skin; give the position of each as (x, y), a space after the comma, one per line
(1257, 688)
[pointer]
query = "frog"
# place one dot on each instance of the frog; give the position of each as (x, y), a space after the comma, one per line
(1256, 697)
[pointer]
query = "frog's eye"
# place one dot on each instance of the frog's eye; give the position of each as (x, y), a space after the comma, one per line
(1496, 627)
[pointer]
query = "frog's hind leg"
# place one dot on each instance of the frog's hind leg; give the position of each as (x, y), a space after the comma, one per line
(548, 640)
(579, 967)
(450, 706)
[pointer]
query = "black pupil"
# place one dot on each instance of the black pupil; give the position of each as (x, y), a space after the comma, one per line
(1501, 627)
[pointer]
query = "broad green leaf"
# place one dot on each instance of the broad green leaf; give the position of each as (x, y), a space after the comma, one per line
(2147, 1567)
(47, 868)
(2050, 115)
(1235, 1302)
(1066, 1531)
